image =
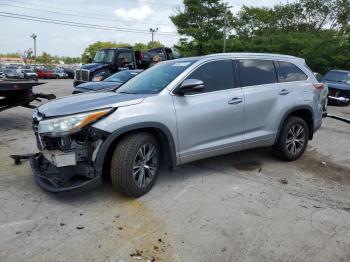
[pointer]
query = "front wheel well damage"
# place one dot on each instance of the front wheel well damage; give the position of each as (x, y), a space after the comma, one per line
(164, 143)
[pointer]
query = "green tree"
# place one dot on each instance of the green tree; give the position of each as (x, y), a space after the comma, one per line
(140, 47)
(201, 24)
(27, 55)
(45, 59)
(155, 44)
(11, 55)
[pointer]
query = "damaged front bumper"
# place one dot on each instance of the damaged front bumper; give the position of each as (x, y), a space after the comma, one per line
(62, 179)
(344, 100)
(339, 96)
(68, 163)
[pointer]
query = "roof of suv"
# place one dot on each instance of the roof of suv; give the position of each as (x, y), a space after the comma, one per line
(238, 55)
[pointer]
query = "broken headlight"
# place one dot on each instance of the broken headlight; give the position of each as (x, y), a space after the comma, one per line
(72, 123)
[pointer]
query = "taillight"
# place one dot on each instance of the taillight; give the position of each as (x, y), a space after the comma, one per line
(319, 86)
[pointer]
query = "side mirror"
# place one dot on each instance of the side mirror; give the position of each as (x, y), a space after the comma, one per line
(189, 86)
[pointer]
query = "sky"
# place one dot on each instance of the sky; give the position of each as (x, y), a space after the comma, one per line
(120, 16)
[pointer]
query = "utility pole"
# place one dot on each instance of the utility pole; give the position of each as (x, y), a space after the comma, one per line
(34, 38)
(153, 31)
(225, 26)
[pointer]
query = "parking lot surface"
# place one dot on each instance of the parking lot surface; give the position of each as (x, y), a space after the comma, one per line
(246, 206)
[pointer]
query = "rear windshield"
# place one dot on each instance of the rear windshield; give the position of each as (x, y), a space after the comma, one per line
(156, 78)
(341, 77)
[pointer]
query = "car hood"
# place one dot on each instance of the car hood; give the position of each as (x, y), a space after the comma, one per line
(337, 85)
(88, 102)
(98, 85)
(94, 66)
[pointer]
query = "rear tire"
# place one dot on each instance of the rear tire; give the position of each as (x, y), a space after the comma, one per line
(293, 139)
(135, 164)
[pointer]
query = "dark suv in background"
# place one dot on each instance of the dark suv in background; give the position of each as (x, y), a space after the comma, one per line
(108, 61)
(338, 82)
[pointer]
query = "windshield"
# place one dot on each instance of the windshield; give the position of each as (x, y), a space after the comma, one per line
(155, 79)
(121, 77)
(9, 71)
(342, 77)
(104, 56)
(27, 71)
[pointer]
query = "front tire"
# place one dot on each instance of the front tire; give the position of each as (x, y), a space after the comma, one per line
(293, 139)
(135, 164)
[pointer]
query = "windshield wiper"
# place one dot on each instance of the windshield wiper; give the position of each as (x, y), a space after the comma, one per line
(125, 92)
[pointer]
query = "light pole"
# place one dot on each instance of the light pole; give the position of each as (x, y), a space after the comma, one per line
(225, 26)
(153, 31)
(34, 38)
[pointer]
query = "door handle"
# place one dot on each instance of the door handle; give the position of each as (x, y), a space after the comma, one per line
(235, 101)
(284, 92)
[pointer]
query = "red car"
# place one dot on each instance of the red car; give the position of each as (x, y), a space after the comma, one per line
(43, 73)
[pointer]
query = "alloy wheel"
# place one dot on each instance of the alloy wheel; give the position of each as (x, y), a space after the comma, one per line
(145, 165)
(295, 139)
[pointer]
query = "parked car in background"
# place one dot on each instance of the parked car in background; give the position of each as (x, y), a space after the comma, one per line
(110, 83)
(173, 113)
(13, 73)
(29, 74)
(338, 82)
(2, 74)
(44, 73)
(70, 72)
(60, 74)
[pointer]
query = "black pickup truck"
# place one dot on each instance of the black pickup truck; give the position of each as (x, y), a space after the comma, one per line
(111, 60)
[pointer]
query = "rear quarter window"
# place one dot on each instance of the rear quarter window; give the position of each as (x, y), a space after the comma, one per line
(256, 72)
(290, 72)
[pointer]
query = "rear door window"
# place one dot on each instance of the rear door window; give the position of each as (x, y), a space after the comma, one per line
(256, 72)
(216, 75)
(291, 72)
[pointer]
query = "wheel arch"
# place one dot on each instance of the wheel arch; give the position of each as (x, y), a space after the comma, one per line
(160, 131)
(304, 112)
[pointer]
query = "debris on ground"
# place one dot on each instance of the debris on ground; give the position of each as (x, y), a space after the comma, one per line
(284, 181)
(80, 227)
(137, 254)
(248, 166)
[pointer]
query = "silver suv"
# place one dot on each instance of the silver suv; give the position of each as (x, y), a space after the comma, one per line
(173, 113)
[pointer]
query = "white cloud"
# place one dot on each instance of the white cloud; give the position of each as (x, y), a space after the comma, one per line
(138, 13)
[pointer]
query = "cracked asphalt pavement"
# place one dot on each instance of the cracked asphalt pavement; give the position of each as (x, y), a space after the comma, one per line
(246, 206)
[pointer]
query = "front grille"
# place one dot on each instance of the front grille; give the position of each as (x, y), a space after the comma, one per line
(78, 74)
(82, 75)
(85, 75)
(333, 92)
